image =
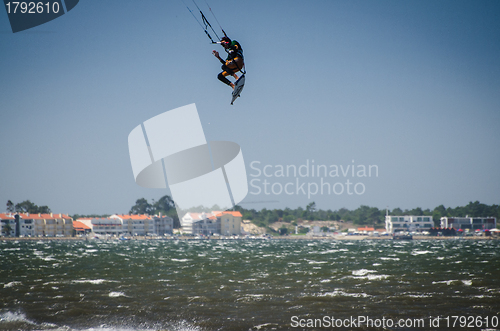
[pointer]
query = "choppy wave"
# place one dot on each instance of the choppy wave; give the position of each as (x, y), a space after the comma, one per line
(238, 285)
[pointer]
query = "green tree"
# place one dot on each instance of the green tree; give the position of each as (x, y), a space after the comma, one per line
(416, 212)
(10, 207)
(367, 215)
(141, 207)
(271, 218)
(29, 207)
(7, 229)
(437, 213)
(303, 230)
(309, 213)
(397, 212)
(164, 205)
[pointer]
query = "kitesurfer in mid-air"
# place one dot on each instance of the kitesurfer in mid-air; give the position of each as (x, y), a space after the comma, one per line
(234, 61)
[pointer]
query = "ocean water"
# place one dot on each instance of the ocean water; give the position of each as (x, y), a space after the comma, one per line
(246, 284)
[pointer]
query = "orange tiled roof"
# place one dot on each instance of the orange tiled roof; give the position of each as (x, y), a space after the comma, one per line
(44, 216)
(35, 216)
(134, 217)
(234, 213)
(79, 226)
(197, 216)
(366, 229)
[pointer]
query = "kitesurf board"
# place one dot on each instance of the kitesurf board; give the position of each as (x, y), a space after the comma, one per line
(238, 87)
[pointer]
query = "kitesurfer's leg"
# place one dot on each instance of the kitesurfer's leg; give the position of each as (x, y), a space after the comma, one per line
(222, 78)
(230, 69)
(234, 66)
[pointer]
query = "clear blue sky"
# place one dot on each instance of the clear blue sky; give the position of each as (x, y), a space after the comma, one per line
(412, 87)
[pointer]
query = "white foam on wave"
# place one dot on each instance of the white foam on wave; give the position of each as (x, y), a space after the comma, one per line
(341, 293)
(447, 282)
(116, 294)
(48, 258)
(104, 328)
(265, 325)
(389, 258)
(367, 274)
(373, 277)
(417, 252)
(330, 251)
(183, 326)
(362, 272)
(14, 317)
(317, 262)
(90, 281)
(180, 260)
(420, 296)
(12, 284)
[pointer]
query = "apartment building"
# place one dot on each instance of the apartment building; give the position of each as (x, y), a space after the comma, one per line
(473, 223)
(230, 223)
(32, 225)
(107, 226)
(408, 223)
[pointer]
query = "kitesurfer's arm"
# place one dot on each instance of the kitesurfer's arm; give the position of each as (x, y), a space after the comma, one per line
(216, 54)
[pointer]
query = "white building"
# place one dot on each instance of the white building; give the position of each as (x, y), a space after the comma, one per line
(163, 225)
(87, 221)
(473, 223)
(207, 224)
(31, 225)
(48, 225)
(188, 219)
(230, 223)
(26, 226)
(7, 225)
(134, 225)
(107, 226)
(227, 223)
(408, 223)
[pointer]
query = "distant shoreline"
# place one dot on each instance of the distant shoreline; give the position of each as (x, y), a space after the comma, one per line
(342, 238)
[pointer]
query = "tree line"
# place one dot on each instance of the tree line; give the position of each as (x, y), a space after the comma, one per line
(364, 215)
(27, 207)
(165, 205)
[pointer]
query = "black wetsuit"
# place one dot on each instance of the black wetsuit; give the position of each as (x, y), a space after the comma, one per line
(234, 62)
